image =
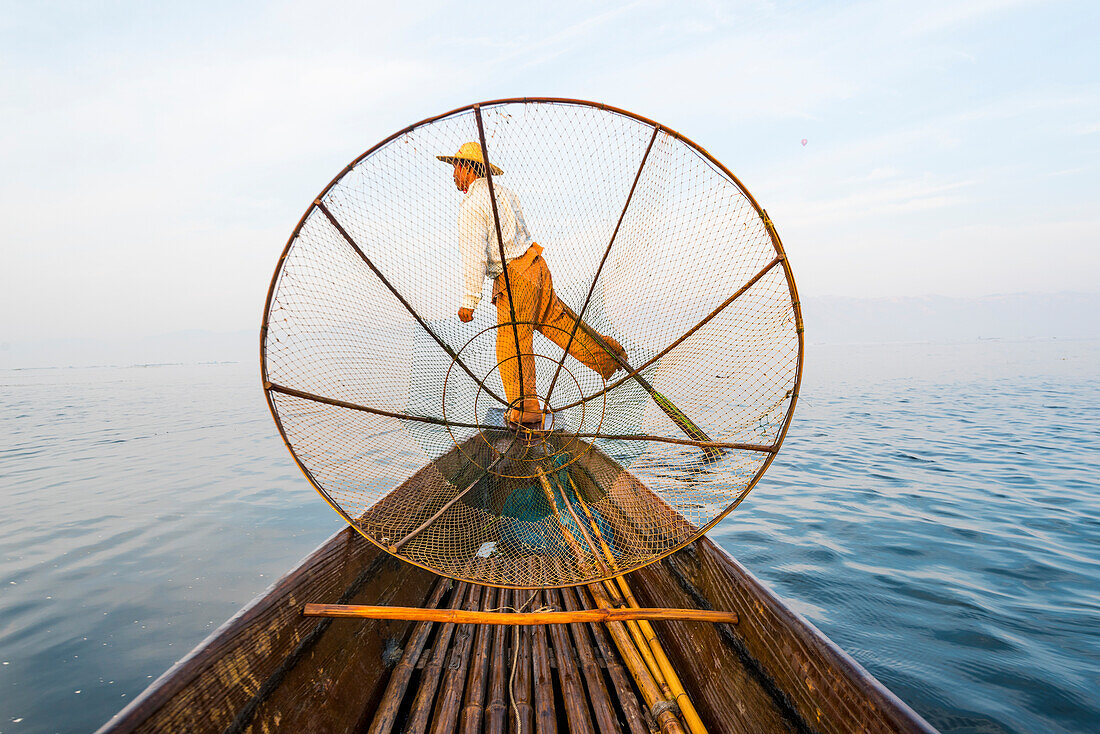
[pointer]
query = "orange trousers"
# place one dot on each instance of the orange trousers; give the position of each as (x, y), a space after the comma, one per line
(538, 306)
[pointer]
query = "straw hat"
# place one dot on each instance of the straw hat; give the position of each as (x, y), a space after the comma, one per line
(469, 152)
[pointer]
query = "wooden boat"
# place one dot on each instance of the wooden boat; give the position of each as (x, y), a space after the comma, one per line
(271, 668)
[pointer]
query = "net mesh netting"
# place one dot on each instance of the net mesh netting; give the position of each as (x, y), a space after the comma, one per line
(395, 408)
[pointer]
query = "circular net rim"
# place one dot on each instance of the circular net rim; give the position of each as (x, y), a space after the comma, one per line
(781, 258)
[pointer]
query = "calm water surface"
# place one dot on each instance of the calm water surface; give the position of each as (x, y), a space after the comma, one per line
(934, 511)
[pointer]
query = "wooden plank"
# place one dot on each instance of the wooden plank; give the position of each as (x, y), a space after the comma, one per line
(546, 720)
(473, 710)
(518, 619)
(573, 695)
(433, 671)
(385, 716)
(450, 697)
(598, 696)
(523, 713)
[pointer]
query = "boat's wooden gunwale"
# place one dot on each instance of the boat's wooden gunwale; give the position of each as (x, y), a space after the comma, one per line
(827, 688)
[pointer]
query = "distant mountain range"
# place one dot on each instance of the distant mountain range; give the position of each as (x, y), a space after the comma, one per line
(828, 320)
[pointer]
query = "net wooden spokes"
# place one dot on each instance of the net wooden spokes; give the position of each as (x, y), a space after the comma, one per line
(660, 336)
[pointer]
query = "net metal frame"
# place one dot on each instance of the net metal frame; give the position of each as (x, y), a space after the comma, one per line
(632, 468)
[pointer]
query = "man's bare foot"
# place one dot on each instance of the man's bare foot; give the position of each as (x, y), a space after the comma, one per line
(526, 418)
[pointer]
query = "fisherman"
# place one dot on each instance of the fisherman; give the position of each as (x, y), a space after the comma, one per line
(531, 285)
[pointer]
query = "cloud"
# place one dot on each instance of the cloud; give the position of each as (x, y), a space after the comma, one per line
(961, 260)
(933, 18)
(539, 48)
(154, 193)
(879, 199)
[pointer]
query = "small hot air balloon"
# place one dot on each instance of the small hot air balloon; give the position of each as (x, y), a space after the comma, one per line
(804, 141)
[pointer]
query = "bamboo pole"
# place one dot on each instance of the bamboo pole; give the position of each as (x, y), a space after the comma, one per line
(408, 307)
(473, 710)
(512, 619)
(386, 713)
(572, 691)
(450, 697)
(602, 707)
(619, 678)
(673, 688)
(650, 691)
(429, 678)
(276, 387)
(447, 505)
(599, 268)
(523, 714)
(679, 417)
(639, 641)
(691, 716)
(487, 169)
(709, 445)
(496, 712)
(740, 291)
(551, 497)
(546, 720)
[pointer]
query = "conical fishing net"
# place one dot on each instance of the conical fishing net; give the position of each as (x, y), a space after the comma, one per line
(657, 337)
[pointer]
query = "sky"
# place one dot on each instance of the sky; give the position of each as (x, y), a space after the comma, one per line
(154, 157)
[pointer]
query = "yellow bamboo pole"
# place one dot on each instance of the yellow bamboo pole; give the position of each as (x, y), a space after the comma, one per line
(549, 492)
(629, 649)
(673, 688)
(638, 670)
(691, 716)
(463, 616)
(640, 641)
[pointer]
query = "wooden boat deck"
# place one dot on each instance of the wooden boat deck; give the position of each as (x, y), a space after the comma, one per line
(270, 668)
(541, 678)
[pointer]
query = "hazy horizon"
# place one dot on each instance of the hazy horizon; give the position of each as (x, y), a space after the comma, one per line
(829, 320)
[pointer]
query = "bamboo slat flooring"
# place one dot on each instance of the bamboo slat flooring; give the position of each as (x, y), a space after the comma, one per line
(524, 680)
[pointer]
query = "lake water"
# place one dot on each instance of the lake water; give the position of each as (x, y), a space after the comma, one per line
(935, 511)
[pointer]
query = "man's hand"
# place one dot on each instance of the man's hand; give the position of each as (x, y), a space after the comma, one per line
(466, 315)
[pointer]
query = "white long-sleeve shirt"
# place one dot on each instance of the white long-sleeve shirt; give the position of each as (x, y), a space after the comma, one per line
(478, 240)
